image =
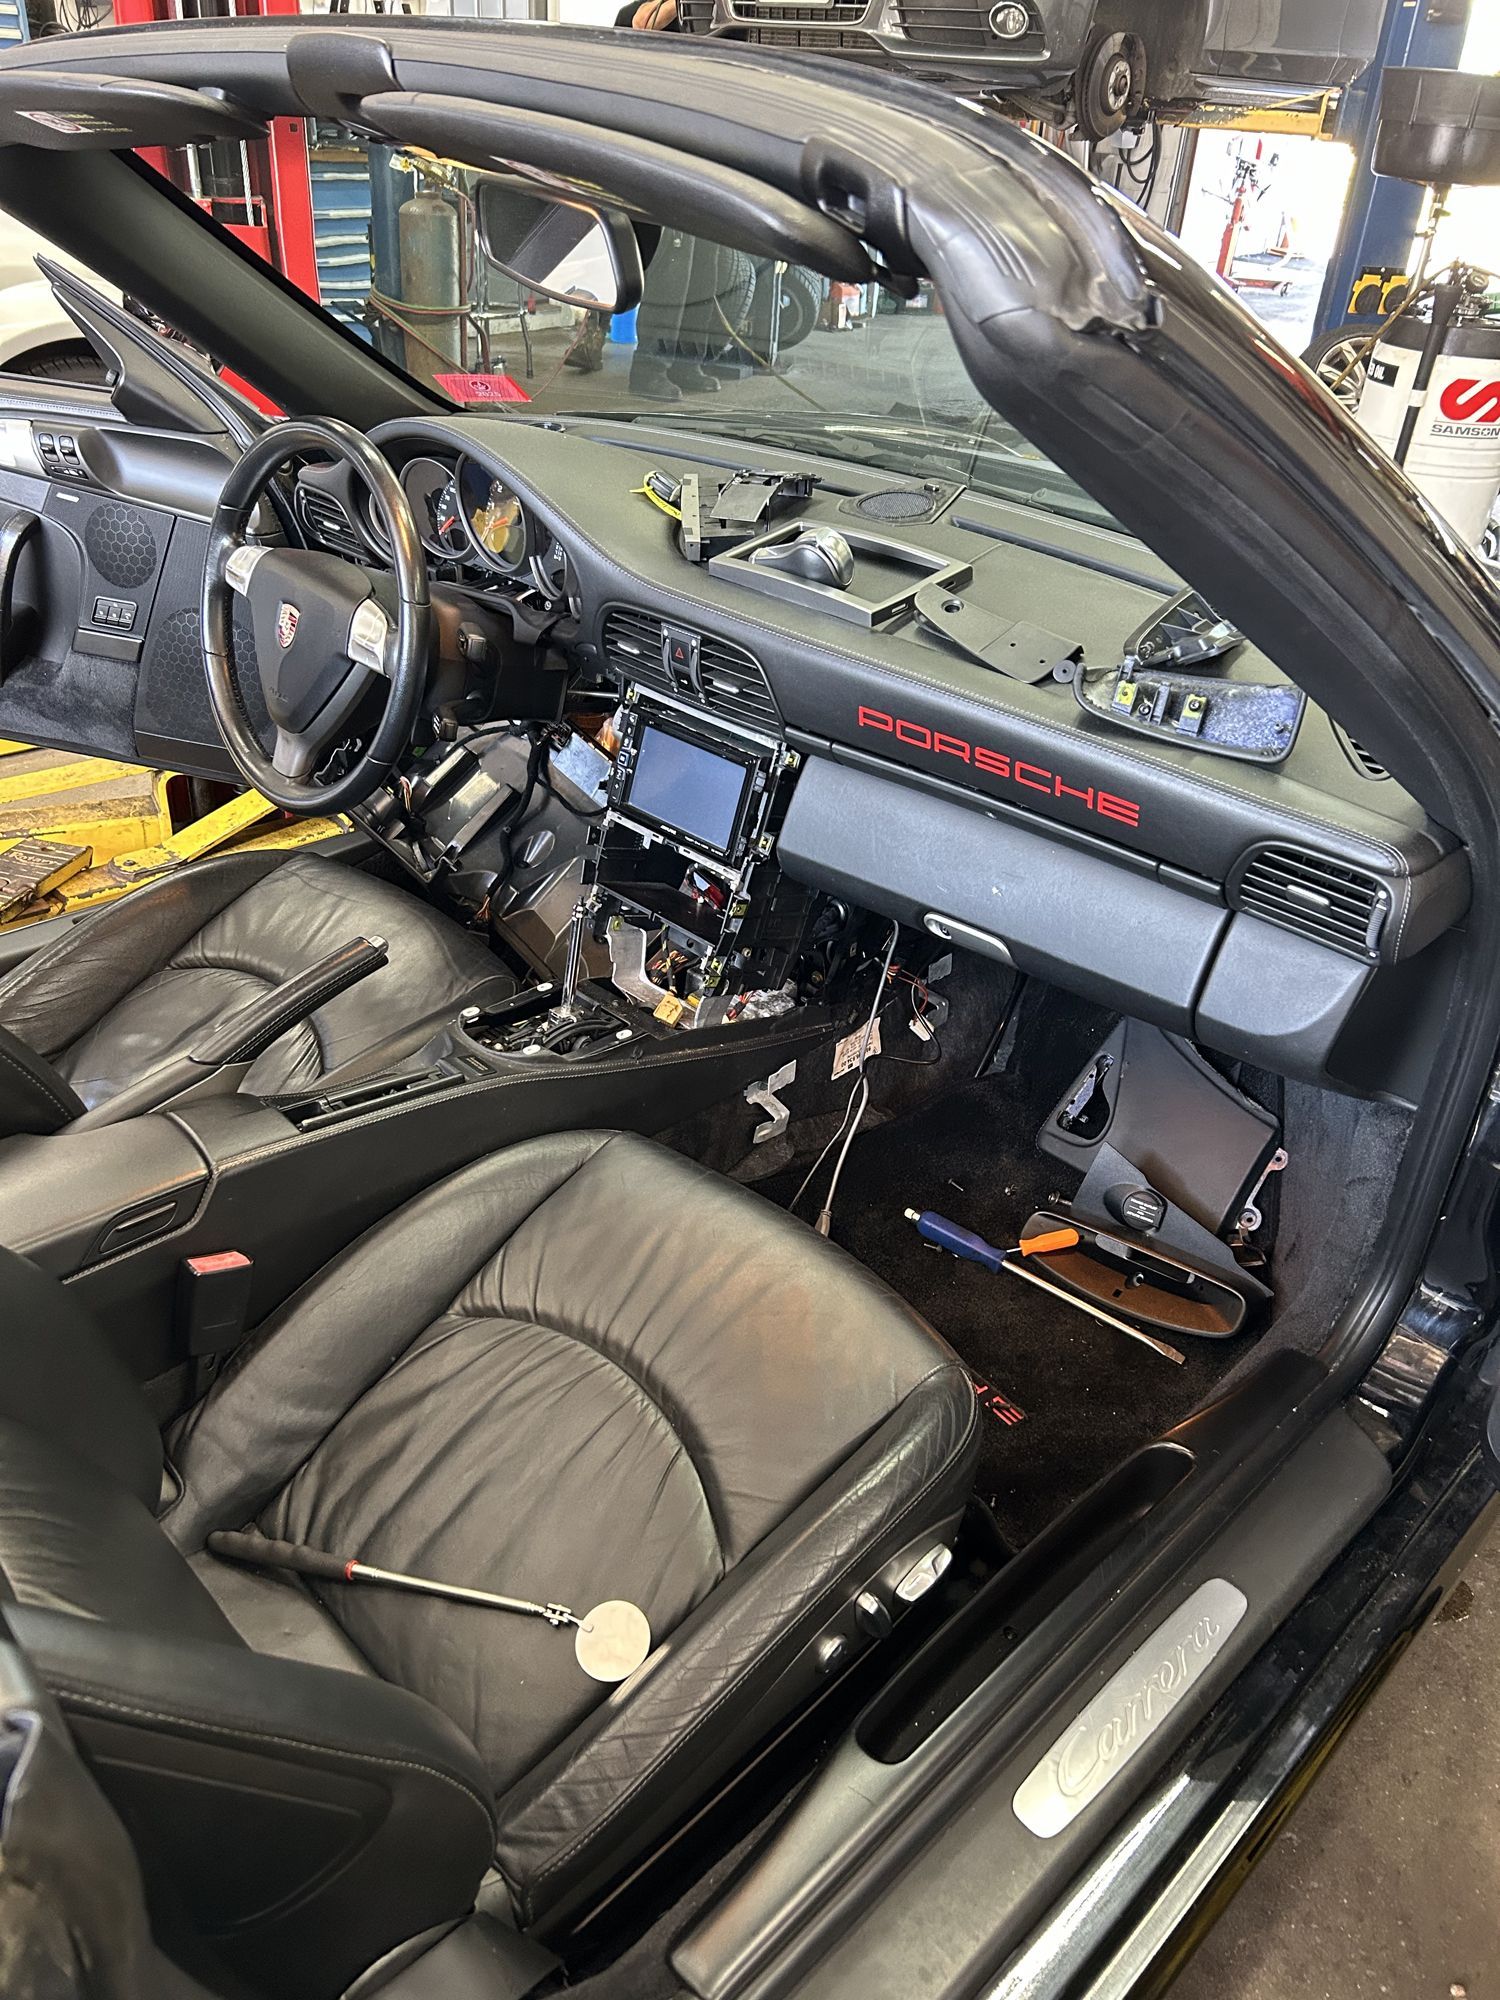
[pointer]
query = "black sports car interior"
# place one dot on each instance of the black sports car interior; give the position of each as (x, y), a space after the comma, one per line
(860, 1034)
(676, 850)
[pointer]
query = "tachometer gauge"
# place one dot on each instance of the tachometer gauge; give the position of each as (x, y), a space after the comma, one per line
(432, 489)
(498, 523)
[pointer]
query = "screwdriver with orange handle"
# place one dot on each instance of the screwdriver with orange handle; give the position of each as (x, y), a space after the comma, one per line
(968, 1244)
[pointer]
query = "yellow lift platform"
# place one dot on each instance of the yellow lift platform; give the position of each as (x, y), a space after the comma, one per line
(79, 831)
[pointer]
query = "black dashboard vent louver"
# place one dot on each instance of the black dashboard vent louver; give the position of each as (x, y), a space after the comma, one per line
(1316, 896)
(325, 521)
(733, 682)
(1359, 756)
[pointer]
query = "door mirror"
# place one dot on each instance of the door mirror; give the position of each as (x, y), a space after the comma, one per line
(563, 248)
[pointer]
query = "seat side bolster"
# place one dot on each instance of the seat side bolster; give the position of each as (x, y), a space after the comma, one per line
(51, 999)
(33, 1097)
(320, 1816)
(709, 1694)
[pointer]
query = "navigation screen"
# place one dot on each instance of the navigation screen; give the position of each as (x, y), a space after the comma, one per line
(688, 788)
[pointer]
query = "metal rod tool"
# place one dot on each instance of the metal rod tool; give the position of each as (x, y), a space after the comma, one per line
(610, 1641)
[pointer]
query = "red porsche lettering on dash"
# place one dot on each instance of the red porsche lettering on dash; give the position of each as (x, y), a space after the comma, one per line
(999, 764)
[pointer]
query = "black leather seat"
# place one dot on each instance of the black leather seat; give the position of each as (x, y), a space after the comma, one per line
(131, 984)
(583, 1368)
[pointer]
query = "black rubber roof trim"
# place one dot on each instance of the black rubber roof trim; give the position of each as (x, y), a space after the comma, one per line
(695, 194)
(753, 111)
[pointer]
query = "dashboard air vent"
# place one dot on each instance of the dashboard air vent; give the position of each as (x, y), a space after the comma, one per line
(1316, 896)
(325, 521)
(732, 681)
(1359, 756)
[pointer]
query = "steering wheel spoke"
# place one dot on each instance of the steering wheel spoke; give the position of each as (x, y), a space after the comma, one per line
(326, 632)
(239, 565)
(294, 755)
(371, 636)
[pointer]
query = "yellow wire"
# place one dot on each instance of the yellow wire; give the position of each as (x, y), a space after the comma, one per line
(673, 513)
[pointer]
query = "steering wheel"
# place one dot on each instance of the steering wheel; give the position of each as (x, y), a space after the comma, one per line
(324, 627)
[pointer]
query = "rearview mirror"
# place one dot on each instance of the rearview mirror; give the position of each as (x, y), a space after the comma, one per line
(560, 247)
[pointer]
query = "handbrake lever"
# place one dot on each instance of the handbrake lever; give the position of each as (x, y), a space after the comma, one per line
(224, 1051)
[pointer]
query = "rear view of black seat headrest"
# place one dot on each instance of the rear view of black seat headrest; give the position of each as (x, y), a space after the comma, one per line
(59, 1378)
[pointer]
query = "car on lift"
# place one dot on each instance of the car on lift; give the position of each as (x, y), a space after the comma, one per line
(804, 1323)
(1090, 64)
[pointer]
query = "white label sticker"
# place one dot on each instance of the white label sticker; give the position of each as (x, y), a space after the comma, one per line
(72, 121)
(846, 1052)
(1131, 1706)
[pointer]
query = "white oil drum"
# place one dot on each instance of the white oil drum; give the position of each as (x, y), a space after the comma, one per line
(1454, 458)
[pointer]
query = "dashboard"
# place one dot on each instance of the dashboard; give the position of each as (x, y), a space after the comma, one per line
(1016, 731)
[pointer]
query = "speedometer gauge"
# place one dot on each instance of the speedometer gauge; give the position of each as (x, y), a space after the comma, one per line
(432, 489)
(498, 523)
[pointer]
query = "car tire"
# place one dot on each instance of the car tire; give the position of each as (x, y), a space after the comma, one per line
(63, 361)
(1330, 355)
(801, 302)
(1110, 86)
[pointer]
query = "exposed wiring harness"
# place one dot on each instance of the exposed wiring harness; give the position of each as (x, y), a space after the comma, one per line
(859, 1098)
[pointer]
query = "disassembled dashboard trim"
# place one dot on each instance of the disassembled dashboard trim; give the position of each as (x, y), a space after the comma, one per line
(1324, 902)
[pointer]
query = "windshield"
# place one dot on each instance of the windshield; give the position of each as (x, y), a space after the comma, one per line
(721, 342)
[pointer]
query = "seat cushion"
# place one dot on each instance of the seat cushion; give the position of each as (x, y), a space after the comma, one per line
(136, 981)
(583, 1369)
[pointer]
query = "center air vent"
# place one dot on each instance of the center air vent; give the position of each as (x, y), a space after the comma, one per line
(1317, 897)
(732, 681)
(325, 521)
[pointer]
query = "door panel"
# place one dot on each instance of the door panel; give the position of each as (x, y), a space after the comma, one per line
(104, 654)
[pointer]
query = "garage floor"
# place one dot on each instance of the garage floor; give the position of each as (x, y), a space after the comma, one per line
(1386, 1881)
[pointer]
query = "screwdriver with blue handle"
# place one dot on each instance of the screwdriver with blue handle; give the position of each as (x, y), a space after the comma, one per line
(968, 1244)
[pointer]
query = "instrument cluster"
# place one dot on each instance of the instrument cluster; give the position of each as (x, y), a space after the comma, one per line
(470, 521)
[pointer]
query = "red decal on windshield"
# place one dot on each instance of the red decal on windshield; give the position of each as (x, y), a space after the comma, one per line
(464, 388)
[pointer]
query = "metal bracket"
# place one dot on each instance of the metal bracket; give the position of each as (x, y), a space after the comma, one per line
(764, 1097)
(1250, 1216)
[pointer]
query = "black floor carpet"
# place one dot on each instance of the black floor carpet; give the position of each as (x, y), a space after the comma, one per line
(1086, 1396)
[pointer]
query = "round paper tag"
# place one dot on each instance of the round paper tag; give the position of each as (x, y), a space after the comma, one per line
(612, 1640)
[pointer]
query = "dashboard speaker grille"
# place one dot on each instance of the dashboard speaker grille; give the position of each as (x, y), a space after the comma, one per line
(1317, 897)
(896, 503)
(733, 682)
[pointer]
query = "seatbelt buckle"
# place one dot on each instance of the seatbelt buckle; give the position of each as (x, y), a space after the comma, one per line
(213, 1301)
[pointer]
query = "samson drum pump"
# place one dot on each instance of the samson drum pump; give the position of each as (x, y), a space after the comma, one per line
(1431, 392)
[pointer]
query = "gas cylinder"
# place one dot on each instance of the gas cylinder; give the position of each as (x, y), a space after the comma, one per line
(428, 232)
(1454, 455)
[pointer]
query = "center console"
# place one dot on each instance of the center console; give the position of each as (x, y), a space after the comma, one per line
(672, 967)
(681, 882)
(625, 862)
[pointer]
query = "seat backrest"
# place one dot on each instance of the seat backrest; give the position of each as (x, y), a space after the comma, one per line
(305, 1818)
